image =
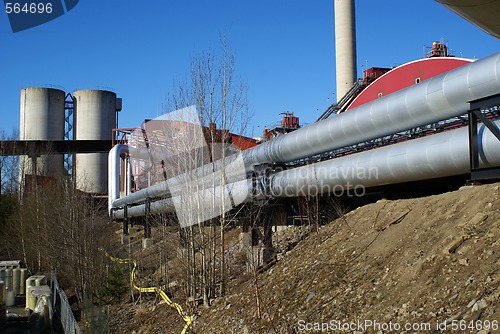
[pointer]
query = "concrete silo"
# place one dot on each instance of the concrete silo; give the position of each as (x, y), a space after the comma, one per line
(94, 119)
(42, 118)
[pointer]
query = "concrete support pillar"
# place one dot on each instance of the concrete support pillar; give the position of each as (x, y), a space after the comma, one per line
(345, 46)
(245, 240)
(251, 248)
(125, 232)
(147, 229)
(269, 254)
(146, 242)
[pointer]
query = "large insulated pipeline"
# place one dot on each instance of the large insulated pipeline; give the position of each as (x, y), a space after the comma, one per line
(432, 100)
(208, 199)
(438, 98)
(439, 155)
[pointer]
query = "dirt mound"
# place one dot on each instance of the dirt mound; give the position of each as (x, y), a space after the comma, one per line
(405, 265)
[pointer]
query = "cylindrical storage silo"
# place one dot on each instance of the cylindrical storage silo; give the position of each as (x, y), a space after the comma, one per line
(2, 291)
(95, 119)
(42, 118)
(31, 298)
(22, 281)
(8, 279)
(30, 283)
(10, 297)
(3, 309)
(16, 276)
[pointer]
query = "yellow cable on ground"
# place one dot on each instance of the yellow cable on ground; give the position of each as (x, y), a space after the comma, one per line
(187, 319)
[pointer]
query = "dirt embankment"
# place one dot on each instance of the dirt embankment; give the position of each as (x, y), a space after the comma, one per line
(417, 265)
(422, 264)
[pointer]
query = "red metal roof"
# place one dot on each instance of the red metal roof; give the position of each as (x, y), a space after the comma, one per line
(406, 75)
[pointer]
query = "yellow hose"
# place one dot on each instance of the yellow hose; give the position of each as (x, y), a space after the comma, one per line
(187, 319)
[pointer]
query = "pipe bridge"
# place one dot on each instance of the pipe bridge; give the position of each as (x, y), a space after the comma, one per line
(417, 133)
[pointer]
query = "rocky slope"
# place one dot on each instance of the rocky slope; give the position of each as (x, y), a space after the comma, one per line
(416, 265)
(406, 265)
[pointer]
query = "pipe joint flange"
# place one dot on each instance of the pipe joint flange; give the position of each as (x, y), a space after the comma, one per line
(260, 182)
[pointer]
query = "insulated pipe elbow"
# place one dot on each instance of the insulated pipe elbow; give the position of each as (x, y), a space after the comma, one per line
(114, 157)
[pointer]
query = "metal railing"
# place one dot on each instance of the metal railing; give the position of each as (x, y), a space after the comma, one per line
(68, 321)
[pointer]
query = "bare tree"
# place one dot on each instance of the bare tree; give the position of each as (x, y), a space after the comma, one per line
(61, 229)
(8, 167)
(221, 101)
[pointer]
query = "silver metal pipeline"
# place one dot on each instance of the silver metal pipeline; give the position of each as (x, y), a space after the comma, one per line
(436, 99)
(434, 156)
(237, 192)
(207, 175)
(439, 155)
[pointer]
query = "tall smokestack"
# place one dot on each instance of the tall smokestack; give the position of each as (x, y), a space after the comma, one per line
(345, 46)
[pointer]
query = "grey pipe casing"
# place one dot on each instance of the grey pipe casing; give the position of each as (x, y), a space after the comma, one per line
(238, 190)
(439, 155)
(432, 100)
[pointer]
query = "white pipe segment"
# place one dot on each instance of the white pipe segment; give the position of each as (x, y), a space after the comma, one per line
(432, 100)
(114, 166)
(208, 202)
(439, 155)
(206, 175)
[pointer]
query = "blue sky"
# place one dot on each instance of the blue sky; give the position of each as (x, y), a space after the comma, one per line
(284, 50)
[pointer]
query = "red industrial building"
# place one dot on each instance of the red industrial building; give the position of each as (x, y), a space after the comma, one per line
(380, 82)
(288, 123)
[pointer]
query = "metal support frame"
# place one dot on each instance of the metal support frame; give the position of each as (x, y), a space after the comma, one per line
(125, 224)
(147, 229)
(69, 134)
(146, 222)
(260, 184)
(475, 114)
